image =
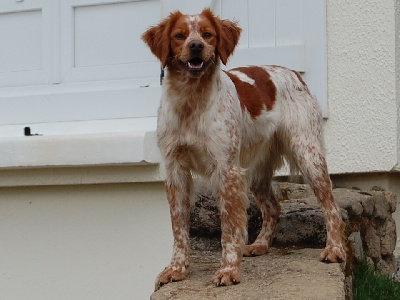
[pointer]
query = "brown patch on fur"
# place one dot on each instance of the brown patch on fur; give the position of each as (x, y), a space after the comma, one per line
(228, 34)
(158, 37)
(254, 97)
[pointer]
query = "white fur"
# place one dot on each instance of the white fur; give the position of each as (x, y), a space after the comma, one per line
(243, 77)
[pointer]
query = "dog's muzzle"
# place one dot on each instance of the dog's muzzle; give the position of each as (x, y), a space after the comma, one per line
(196, 63)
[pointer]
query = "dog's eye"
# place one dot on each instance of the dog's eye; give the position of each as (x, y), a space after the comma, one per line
(207, 35)
(180, 36)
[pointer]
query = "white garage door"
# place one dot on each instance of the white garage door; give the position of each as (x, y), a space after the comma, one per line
(79, 66)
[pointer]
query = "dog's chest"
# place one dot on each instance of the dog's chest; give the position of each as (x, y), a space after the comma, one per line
(186, 137)
(200, 127)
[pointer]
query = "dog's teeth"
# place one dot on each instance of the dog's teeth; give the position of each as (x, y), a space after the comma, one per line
(199, 66)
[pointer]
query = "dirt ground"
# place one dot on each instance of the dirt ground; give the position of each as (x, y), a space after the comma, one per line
(283, 274)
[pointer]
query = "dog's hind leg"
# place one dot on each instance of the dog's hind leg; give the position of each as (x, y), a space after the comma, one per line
(267, 203)
(314, 168)
(270, 210)
(304, 148)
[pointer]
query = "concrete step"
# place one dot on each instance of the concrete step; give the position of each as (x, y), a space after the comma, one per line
(282, 274)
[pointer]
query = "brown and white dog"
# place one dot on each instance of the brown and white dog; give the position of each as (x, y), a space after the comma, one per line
(234, 128)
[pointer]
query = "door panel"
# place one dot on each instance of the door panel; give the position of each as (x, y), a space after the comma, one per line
(25, 34)
(101, 40)
(82, 61)
(67, 61)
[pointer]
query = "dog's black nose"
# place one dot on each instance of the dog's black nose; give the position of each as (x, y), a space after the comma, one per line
(196, 46)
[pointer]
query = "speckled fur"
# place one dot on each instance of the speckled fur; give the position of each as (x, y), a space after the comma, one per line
(235, 129)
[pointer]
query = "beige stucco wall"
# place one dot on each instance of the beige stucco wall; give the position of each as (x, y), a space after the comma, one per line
(397, 17)
(362, 130)
(105, 241)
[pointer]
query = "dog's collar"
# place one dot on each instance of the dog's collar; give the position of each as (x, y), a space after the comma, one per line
(161, 75)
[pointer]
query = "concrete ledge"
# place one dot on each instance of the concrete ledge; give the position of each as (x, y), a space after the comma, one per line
(79, 150)
(280, 275)
(79, 159)
(55, 176)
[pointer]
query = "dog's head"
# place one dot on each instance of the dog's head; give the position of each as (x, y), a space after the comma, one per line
(192, 44)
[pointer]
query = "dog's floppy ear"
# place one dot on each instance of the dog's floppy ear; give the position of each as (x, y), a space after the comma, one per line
(228, 39)
(228, 35)
(158, 37)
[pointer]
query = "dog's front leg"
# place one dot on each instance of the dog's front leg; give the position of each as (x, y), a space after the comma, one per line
(178, 187)
(232, 197)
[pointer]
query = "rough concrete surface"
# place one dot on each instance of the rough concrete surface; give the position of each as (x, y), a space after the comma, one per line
(282, 274)
(291, 270)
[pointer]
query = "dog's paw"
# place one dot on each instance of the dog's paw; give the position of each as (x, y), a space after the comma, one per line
(255, 250)
(170, 274)
(333, 254)
(227, 276)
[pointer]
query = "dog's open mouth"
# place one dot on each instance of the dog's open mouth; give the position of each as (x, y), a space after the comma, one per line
(195, 65)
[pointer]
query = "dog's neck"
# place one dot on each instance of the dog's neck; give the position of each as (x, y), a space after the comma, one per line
(190, 97)
(191, 92)
(182, 79)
